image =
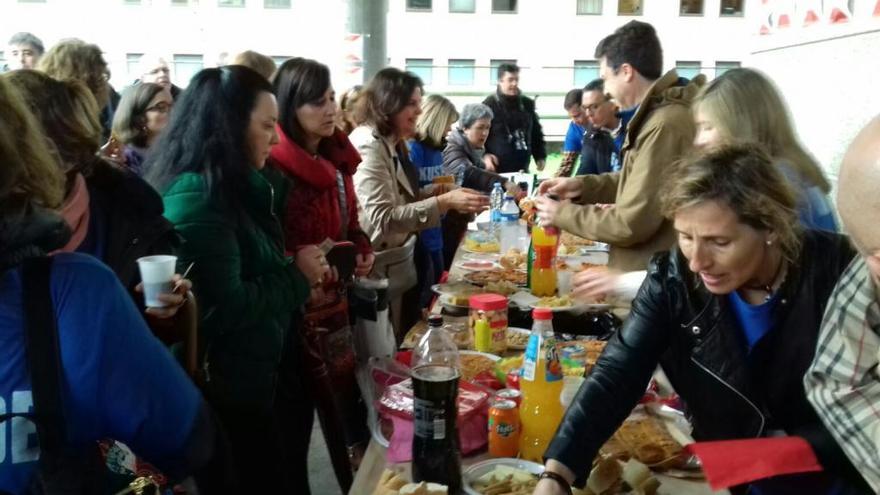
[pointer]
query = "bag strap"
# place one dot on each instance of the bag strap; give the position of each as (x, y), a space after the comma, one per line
(343, 206)
(41, 334)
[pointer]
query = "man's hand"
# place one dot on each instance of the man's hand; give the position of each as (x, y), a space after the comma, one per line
(540, 165)
(552, 487)
(491, 162)
(547, 209)
(565, 188)
(595, 284)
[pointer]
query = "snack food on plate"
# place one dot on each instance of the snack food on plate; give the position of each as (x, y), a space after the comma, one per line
(570, 239)
(554, 302)
(647, 440)
(390, 483)
(474, 364)
(505, 480)
(513, 259)
(424, 488)
(517, 340)
(481, 242)
(485, 277)
(502, 287)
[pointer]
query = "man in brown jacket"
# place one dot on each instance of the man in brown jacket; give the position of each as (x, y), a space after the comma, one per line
(659, 132)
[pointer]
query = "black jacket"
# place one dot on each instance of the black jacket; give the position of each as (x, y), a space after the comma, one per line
(460, 159)
(131, 212)
(695, 337)
(512, 115)
(597, 152)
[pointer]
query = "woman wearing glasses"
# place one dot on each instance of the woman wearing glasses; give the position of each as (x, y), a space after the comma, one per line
(141, 116)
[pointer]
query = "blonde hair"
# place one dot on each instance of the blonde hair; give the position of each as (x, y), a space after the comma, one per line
(264, 65)
(438, 114)
(742, 177)
(29, 176)
(74, 59)
(67, 112)
(744, 105)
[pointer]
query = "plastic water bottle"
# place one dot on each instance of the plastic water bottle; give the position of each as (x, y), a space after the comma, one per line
(496, 199)
(510, 228)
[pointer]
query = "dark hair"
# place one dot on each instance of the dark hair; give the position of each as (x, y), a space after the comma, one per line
(25, 38)
(507, 67)
(595, 85)
(208, 132)
(387, 93)
(635, 43)
(130, 119)
(67, 112)
(573, 98)
(742, 177)
(297, 82)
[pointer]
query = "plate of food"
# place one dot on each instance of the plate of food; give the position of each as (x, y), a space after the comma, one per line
(456, 294)
(566, 303)
(480, 256)
(513, 259)
(481, 242)
(502, 475)
(473, 363)
(517, 277)
(517, 338)
(475, 265)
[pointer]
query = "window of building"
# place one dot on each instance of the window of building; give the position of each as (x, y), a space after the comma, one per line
(230, 3)
(418, 4)
(132, 64)
(732, 7)
(493, 68)
(503, 6)
(687, 70)
(722, 67)
(276, 4)
(461, 72)
(691, 7)
(185, 67)
(180, 2)
(629, 7)
(422, 67)
(584, 72)
(589, 7)
(463, 6)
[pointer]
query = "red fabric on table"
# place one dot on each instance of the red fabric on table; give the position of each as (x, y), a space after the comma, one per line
(735, 462)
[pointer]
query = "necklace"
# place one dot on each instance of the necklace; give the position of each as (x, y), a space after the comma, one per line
(768, 288)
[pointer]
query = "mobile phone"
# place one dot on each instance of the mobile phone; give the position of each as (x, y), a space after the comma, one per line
(342, 256)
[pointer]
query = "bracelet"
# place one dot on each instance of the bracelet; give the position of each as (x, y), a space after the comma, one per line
(557, 478)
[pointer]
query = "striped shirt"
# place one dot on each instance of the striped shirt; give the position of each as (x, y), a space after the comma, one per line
(843, 383)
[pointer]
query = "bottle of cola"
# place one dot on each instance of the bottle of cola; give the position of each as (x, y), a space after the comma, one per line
(435, 373)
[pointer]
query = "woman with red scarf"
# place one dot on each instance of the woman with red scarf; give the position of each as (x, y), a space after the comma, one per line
(321, 204)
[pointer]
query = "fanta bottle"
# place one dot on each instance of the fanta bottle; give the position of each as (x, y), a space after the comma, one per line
(541, 384)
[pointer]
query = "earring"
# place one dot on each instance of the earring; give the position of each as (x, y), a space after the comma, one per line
(769, 242)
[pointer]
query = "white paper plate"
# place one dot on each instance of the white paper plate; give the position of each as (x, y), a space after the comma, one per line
(525, 299)
(493, 357)
(474, 471)
(476, 265)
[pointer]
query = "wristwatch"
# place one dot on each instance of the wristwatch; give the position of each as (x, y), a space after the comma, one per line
(566, 487)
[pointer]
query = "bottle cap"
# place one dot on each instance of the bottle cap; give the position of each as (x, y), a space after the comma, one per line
(542, 314)
(435, 321)
(488, 302)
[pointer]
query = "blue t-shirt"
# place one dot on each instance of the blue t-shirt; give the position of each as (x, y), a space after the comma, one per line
(754, 320)
(429, 162)
(118, 380)
(574, 138)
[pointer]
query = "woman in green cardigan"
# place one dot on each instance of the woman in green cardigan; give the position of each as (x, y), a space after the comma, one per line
(209, 167)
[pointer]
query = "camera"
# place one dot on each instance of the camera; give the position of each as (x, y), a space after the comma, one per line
(518, 140)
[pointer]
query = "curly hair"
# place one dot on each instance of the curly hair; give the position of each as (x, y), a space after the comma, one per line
(68, 114)
(742, 177)
(387, 93)
(29, 176)
(74, 59)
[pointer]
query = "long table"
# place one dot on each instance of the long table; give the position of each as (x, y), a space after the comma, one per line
(374, 462)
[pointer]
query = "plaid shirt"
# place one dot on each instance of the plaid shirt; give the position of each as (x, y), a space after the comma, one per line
(843, 383)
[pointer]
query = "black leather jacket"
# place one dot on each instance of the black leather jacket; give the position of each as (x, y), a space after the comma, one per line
(598, 147)
(694, 336)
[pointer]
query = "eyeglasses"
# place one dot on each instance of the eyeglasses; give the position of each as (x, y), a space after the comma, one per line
(161, 107)
(588, 109)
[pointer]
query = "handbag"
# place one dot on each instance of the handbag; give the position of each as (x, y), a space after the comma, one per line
(397, 265)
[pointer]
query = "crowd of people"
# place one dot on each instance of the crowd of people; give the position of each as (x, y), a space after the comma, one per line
(256, 177)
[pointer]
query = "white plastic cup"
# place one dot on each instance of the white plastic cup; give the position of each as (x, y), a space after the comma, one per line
(563, 282)
(156, 274)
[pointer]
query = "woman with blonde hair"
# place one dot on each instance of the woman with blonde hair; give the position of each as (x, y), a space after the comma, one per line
(743, 105)
(262, 64)
(731, 313)
(426, 153)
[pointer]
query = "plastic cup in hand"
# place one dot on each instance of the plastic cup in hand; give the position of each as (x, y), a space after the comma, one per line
(156, 274)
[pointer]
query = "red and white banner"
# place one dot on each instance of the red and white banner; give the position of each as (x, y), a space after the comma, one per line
(778, 15)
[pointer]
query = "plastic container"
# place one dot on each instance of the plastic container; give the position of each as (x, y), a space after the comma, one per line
(510, 227)
(491, 308)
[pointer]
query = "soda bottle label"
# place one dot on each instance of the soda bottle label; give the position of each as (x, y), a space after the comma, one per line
(553, 367)
(429, 419)
(544, 256)
(530, 360)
